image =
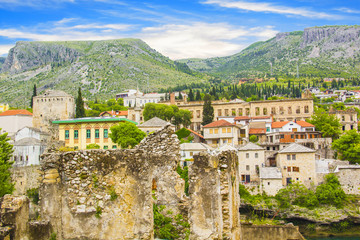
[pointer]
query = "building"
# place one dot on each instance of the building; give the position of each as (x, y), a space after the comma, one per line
(29, 144)
(270, 180)
(221, 132)
(112, 113)
(188, 150)
(139, 99)
(251, 159)
(154, 124)
(12, 121)
(50, 106)
(292, 126)
(79, 132)
(347, 118)
(297, 164)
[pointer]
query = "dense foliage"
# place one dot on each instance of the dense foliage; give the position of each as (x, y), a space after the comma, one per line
(208, 110)
(93, 146)
(98, 107)
(348, 146)
(328, 125)
(6, 150)
(126, 134)
(253, 138)
(182, 133)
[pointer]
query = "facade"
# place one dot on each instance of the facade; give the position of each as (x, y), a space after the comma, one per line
(349, 178)
(51, 106)
(80, 132)
(139, 99)
(347, 118)
(188, 150)
(153, 125)
(221, 132)
(29, 144)
(270, 180)
(290, 126)
(297, 164)
(112, 113)
(13, 120)
(251, 159)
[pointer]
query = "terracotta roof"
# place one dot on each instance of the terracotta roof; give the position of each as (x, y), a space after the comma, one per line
(278, 124)
(304, 124)
(257, 131)
(16, 112)
(198, 134)
(220, 123)
(113, 113)
(239, 118)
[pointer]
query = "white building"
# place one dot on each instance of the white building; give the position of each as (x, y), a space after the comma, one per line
(251, 159)
(29, 144)
(13, 120)
(139, 99)
(270, 180)
(290, 126)
(188, 150)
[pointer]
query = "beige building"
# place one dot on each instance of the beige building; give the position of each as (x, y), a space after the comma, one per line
(347, 118)
(51, 106)
(281, 110)
(79, 132)
(221, 132)
(270, 180)
(297, 164)
(251, 159)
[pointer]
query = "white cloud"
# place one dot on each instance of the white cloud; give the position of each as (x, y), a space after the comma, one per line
(202, 40)
(4, 49)
(347, 10)
(269, 7)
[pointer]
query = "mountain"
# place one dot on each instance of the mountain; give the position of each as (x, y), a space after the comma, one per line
(2, 60)
(101, 68)
(329, 51)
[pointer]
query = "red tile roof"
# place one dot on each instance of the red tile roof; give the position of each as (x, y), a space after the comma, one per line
(113, 113)
(239, 118)
(304, 124)
(278, 124)
(201, 136)
(257, 130)
(220, 123)
(16, 112)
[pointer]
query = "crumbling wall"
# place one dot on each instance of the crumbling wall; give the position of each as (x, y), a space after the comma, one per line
(25, 178)
(214, 199)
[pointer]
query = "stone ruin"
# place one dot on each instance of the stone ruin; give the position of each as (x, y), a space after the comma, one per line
(109, 194)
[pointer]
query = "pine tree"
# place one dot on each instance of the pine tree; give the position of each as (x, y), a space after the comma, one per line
(198, 96)
(208, 110)
(191, 95)
(33, 95)
(80, 110)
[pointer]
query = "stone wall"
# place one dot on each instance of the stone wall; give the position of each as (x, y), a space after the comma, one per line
(271, 232)
(349, 178)
(25, 178)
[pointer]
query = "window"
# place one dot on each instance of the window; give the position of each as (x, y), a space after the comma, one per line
(216, 131)
(88, 133)
(288, 157)
(265, 111)
(191, 153)
(67, 134)
(106, 147)
(223, 130)
(230, 140)
(76, 134)
(247, 167)
(293, 157)
(289, 169)
(268, 183)
(343, 118)
(247, 155)
(306, 109)
(343, 128)
(114, 147)
(211, 131)
(295, 169)
(97, 133)
(219, 112)
(106, 133)
(256, 155)
(292, 135)
(289, 110)
(229, 130)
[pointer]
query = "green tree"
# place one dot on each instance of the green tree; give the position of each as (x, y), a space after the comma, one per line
(348, 146)
(253, 138)
(327, 124)
(182, 117)
(198, 96)
(208, 110)
(33, 95)
(126, 134)
(330, 192)
(6, 150)
(80, 110)
(191, 95)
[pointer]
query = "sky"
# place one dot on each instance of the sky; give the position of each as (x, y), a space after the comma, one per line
(176, 28)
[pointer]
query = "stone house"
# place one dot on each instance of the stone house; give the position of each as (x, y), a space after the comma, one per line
(221, 132)
(29, 144)
(154, 124)
(347, 118)
(270, 180)
(13, 120)
(79, 132)
(251, 159)
(50, 106)
(349, 178)
(297, 164)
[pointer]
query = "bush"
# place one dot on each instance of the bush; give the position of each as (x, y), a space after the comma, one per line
(93, 146)
(296, 194)
(330, 192)
(33, 194)
(184, 175)
(182, 133)
(253, 139)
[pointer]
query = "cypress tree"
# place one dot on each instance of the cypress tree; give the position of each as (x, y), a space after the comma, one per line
(80, 110)
(33, 95)
(198, 96)
(208, 110)
(191, 95)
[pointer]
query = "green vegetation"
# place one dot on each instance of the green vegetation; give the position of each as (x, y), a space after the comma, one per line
(184, 174)
(98, 107)
(98, 212)
(182, 133)
(6, 150)
(348, 146)
(208, 111)
(33, 195)
(33, 95)
(93, 146)
(113, 194)
(253, 138)
(126, 134)
(53, 236)
(80, 110)
(328, 125)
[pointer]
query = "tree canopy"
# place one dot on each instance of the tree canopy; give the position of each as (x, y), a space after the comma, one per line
(328, 125)
(6, 149)
(80, 110)
(208, 110)
(99, 107)
(126, 134)
(348, 146)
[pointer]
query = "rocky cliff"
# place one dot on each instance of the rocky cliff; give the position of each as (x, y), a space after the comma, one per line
(332, 51)
(2, 60)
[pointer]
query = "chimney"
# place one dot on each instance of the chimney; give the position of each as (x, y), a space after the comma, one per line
(172, 98)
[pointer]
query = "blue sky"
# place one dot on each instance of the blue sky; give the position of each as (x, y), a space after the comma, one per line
(176, 28)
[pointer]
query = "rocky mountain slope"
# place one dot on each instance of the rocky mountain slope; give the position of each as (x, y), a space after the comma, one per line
(2, 60)
(329, 51)
(101, 68)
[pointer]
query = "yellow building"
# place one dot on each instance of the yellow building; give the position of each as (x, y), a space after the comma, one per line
(4, 107)
(79, 132)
